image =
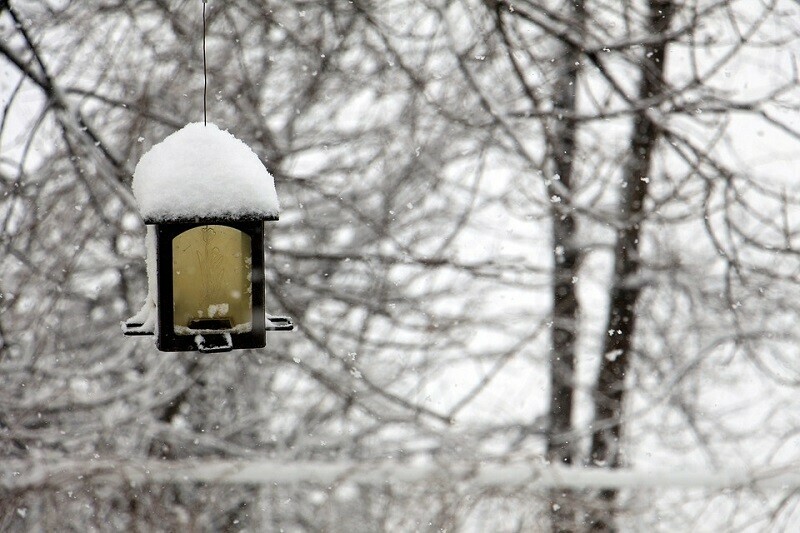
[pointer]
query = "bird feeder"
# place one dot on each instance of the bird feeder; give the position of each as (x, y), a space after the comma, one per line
(204, 196)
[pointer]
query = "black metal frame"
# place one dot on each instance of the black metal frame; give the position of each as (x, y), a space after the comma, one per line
(166, 339)
(169, 341)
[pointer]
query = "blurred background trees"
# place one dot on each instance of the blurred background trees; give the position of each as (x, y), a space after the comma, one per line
(531, 230)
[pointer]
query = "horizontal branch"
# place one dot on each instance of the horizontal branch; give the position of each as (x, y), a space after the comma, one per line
(25, 475)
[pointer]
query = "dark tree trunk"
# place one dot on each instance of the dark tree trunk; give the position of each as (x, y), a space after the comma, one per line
(566, 258)
(609, 394)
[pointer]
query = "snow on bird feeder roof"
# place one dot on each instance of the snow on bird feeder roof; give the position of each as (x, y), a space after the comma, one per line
(201, 171)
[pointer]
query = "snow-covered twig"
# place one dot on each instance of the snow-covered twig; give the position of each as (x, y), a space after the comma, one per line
(477, 475)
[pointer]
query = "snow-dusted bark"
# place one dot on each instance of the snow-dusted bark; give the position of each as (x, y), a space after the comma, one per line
(625, 288)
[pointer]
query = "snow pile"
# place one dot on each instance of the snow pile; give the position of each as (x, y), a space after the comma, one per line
(203, 171)
(145, 321)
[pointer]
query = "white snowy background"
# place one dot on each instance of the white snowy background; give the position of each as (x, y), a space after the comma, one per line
(415, 254)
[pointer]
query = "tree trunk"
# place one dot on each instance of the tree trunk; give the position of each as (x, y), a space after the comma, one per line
(609, 394)
(566, 259)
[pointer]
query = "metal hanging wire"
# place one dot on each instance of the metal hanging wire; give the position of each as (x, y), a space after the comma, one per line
(205, 70)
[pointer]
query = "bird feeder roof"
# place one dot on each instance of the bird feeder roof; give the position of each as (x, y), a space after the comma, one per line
(201, 172)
